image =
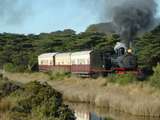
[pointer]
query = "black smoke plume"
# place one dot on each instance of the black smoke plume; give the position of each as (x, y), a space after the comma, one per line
(132, 17)
(129, 17)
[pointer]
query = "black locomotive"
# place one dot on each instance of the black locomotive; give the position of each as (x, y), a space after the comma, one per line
(122, 61)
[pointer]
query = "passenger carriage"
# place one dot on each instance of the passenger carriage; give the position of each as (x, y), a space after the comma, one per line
(46, 61)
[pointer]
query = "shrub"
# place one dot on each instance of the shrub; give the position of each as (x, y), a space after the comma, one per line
(7, 87)
(155, 79)
(122, 79)
(9, 67)
(40, 101)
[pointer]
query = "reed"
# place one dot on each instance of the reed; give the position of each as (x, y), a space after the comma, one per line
(4, 105)
(4, 108)
(137, 99)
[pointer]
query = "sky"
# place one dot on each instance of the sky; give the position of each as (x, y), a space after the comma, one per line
(37, 16)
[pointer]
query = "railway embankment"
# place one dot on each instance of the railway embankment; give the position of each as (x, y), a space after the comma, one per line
(136, 98)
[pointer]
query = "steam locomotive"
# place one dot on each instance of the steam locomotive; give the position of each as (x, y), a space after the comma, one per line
(92, 62)
(123, 60)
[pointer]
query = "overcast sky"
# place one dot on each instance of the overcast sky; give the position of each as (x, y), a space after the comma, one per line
(36, 16)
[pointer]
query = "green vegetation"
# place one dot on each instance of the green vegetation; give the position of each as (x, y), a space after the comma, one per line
(123, 79)
(32, 101)
(58, 75)
(18, 53)
(155, 79)
(36, 101)
(7, 87)
(148, 48)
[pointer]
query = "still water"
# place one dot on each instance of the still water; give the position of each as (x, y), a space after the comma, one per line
(89, 112)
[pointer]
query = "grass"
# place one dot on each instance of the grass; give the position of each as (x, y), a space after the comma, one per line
(26, 77)
(4, 116)
(121, 93)
(136, 98)
(155, 79)
(4, 105)
(123, 79)
(58, 75)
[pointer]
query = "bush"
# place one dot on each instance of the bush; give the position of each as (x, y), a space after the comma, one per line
(40, 101)
(123, 79)
(155, 79)
(7, 87)
(9, 67)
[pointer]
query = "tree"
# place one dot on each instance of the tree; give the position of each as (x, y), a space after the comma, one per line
(148, 48)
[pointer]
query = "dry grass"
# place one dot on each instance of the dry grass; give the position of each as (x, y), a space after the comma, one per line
(4, 108)
(27, 77)
(137, 98)
(4, 105)
(4, 116)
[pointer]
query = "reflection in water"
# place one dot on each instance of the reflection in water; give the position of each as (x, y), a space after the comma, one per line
(89, 112)
(87, 116)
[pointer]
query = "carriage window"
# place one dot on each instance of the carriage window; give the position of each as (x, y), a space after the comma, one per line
(73, 62)
(78, 61)
(88, 61)
(81, 61)
(51, 62)
(41, 62)
(46, 62)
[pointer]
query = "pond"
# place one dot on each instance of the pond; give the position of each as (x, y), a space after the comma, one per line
(90, 112)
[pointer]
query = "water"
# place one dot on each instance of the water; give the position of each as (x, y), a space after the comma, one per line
(90, 112)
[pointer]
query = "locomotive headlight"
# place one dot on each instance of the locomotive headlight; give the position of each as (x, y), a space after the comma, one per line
(129, 50)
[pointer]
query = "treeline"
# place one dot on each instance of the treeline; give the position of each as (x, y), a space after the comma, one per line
(148, 48)
(18, 53)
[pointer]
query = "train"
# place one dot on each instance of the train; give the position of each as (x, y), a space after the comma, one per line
(91, 62)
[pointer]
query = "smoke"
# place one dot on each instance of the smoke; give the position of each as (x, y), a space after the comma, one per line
(131, 16)
(13, 12)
